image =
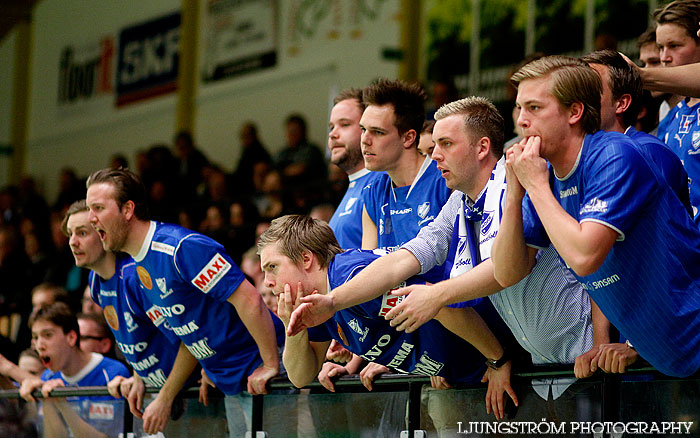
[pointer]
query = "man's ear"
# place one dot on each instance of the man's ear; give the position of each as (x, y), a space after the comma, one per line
(623, 103)
(484, 146)
(72, 338)
(307, 259)
(575, 112)
(128, 209)
(409, 139)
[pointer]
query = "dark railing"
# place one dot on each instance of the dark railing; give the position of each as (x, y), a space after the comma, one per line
(640, 402)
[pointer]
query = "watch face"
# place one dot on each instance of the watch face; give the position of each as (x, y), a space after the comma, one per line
(493, 364)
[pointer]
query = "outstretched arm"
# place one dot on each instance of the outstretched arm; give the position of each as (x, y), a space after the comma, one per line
(380, 276)
(256, 318)
(12, 371)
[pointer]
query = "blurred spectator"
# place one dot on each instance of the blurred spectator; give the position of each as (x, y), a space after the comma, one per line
(426, 145)
(88, 306)
(29, 361)
(272, 204)
(15, 421)
(9, 213)
(46, 293)
(338, 183)
(250, 265)
(189, 164)
(95, 335)
(300, 162)
(118, 161)
(443, 91)
(15, 282)
(322, 212)
(70, 189)
(253, 152)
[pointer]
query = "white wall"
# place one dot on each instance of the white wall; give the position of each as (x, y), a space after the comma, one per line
(343, 49)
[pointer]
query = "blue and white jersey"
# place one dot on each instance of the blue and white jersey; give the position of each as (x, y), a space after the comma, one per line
(664, 123)
(400, 212)
(105, 413)
(683, 137)
(431, 350)
(649, 284)
(666, 161)
(150, 352)
(346, 222)
(189, 277)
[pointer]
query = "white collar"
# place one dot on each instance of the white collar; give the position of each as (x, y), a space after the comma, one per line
(146, 243)
(94, 361)
(359, 174)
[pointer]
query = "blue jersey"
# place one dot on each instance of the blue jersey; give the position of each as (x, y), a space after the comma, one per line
(664, 123)
(666, 161)
(431, 350)
(683, 137)
(150, 351)
(102, 412)
(649, 284)
(346, 222)
(400, 212)
(189, 278)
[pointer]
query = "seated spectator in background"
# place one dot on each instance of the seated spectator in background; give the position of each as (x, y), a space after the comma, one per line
(117, 161)
(252, 153)
(47, 293)
(614, 221)
(88, 306)
(30, 361)
(274, 202)
(70, 189)
(426, 144)
(15, 284)
(189, 166)
(322, 212)
(300, 162)
(95, 336)
(57, 340)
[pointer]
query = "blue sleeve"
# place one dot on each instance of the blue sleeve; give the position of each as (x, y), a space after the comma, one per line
(535, 234)
(92, 283)
(320, 333)
(619, 186)
(369, 198)
(205, 265)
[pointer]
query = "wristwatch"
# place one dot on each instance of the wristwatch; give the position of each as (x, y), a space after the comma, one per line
(495, 364)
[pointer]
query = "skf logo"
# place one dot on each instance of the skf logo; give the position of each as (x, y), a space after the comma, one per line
(423, 210)
(145, 277)
(211, 273)
(686, 122)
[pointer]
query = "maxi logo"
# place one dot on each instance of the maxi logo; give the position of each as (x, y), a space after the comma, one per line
(390, 301)
(101, 411)
(373, 353)
(132, 348)
(211, 273)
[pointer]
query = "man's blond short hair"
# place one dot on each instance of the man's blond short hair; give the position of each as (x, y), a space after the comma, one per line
(572, 81)
(295, 234)
(481, 119)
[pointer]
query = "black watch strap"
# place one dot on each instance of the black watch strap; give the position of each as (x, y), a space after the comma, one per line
(495, 364)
